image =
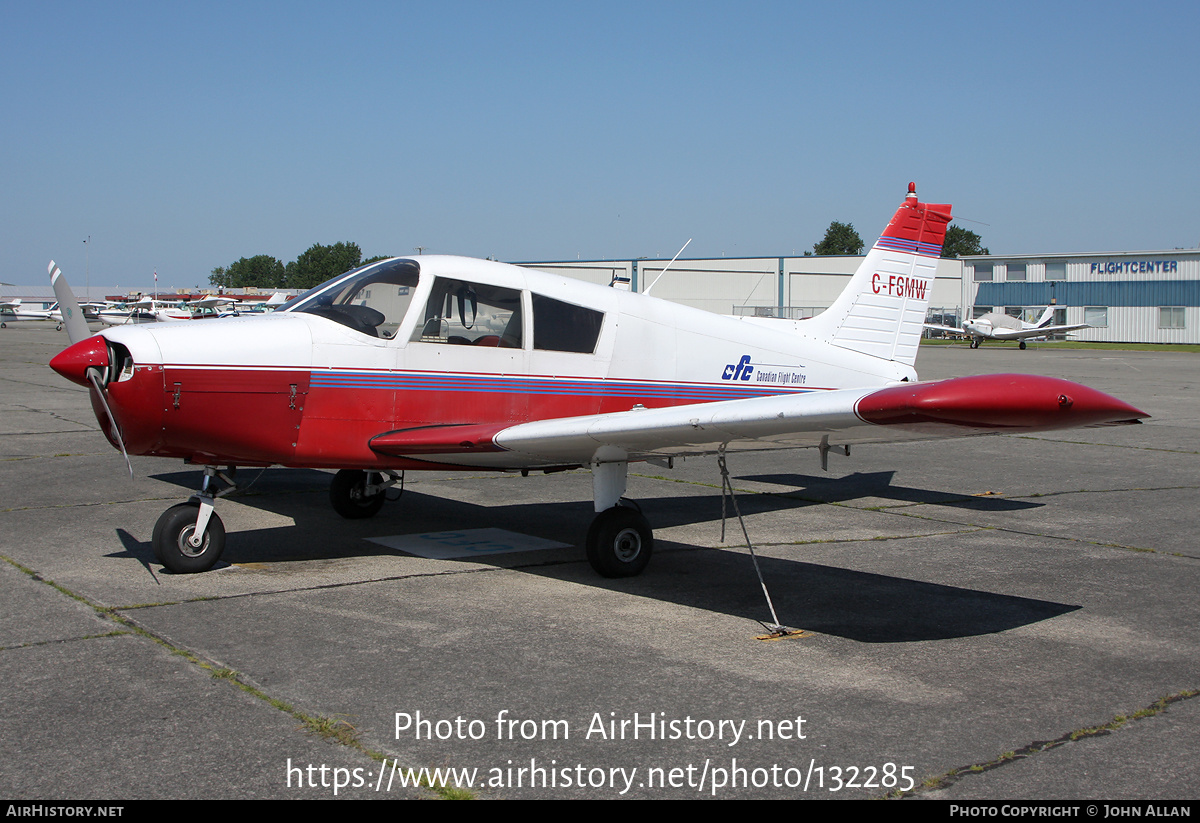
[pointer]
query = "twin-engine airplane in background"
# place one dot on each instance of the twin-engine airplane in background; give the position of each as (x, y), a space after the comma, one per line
(442, 362)
(995, 326)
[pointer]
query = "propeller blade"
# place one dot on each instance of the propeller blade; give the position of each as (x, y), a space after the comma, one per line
(72, 317)
(94, 376)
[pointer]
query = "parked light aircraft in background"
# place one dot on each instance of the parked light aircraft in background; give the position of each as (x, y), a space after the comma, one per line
(145, 310)
(150, 310)
(212, 307)
(437, 362)
(12, 311)
(996, 326)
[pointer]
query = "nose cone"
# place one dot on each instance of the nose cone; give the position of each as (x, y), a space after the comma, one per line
(74, 361)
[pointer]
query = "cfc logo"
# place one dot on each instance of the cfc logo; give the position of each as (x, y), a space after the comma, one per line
(738, 371)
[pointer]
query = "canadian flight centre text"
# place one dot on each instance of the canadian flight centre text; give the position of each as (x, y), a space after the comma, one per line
(707, 775)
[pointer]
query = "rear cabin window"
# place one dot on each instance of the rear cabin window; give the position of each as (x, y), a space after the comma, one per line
(559, 326)
(460, 313)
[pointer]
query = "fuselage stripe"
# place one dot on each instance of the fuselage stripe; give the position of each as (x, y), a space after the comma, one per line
(525, 385)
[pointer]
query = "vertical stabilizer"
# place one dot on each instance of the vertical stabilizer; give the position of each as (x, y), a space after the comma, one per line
(881, 312)
(1046, 317)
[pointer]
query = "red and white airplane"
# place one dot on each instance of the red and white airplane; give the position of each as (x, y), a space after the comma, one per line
(439, 362)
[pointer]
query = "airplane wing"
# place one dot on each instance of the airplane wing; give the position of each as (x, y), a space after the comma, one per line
(962, 406)
(1044, 331)
(212, 302)
(944, 329)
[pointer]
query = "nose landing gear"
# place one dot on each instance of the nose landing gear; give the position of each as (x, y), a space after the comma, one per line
(189, 538)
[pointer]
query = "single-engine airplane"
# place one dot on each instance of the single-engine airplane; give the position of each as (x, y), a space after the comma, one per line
(439, 362)
(996, 326)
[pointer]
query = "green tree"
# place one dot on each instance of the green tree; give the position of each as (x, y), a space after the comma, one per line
(219, 277)
(840, 238)
(960, 242)
(261, 271)
(320, 263)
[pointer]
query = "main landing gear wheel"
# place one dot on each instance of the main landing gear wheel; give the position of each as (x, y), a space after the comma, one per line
(173, 540)
(347, 494)
(1022, 344)
(619, 542)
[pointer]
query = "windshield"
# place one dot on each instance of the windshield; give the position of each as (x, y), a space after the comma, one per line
(371, 300)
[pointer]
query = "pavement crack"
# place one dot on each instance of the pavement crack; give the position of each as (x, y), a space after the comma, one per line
(1038, 495)
(1031, 533)
(86, 505)
(58, 640)
(1108, 445)
(93, 426)
(837, 540)
(938, 783)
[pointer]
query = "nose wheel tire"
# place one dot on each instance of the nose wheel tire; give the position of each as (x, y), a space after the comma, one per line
(619, 542)
(347, 494)
(172, 540)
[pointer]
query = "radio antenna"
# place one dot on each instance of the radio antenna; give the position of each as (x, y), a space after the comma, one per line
(664, 269)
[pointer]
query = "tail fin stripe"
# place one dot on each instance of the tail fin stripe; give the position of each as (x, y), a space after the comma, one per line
(911, 246)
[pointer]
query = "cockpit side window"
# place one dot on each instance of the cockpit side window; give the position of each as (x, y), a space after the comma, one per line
(471, 314)
(372, 300)
(559, 326)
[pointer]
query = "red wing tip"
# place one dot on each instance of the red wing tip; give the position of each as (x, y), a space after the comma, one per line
(997, 402)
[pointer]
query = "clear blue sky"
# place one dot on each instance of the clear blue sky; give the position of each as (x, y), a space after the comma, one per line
(182, 136)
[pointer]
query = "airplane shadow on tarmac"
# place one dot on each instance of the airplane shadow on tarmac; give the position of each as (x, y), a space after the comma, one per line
(856, 605)
(879, 484)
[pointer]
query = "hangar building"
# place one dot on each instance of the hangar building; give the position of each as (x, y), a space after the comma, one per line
(1127, 297)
